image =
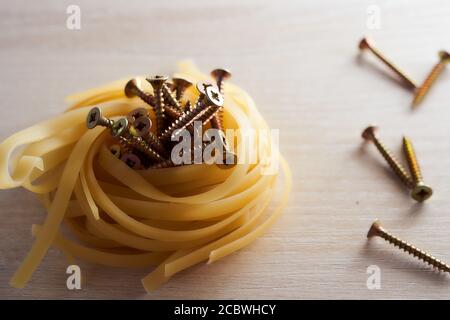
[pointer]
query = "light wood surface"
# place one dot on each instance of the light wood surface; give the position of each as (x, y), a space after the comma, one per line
(299, 60)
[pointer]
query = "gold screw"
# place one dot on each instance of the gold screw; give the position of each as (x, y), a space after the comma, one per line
(219, 75)
(444, 58)
(95, 118)
(180, 85)
(420, 191)
(142, 128)
(369, 134)
(157, 83)
(132, 89)
(131, 160)
(377, 230)
(367, 43)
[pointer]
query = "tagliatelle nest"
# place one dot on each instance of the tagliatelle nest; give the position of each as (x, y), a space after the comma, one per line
(170, 218)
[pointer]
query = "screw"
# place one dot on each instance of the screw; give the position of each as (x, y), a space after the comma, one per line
(95, 118)
(157, 83)
(444, 58)
(369, 134)
(121, 131)
(131, 160)
(377, 230)
(169, 98)
(420, 192)
(219, 75)
(212, 99)
(142, 129)
(180, 85)
(115, 150)
(367, 43)
(132, 89)
(136, 114)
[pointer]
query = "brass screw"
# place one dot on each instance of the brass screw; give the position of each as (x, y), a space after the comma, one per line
(133, 89)
(444, 58)
(121, 131)
(131, 160)
(115, 150)
(142, 129)
(135, 114)
(157, 83)
(377, 230)
(219, 75)
(180, 85)
(367, 43)
(169, 98)
(212, 99)
(369, 134)
(95, 118)
(420, 191)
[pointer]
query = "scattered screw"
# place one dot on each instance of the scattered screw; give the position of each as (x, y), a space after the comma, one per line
(132, 89)
(95, 118)
(369, 135)
(180, 85)
(115, 150)
(142, 129)
(219, 75)
(131, 160)
(420, 191)
(136, 114)
(211, 99)
(444, 58)
(157, 83)
(377, 230)
(367, 43)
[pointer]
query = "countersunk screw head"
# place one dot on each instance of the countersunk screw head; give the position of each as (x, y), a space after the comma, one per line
(444, 56)
(369, 132)
(181, 83)
(93, 118)
(142, 126)
(115, 150)
(421, 192)
(131, 88)
(365, 43)
(119, 127)
(157, 81)
(375, 229)
(131, 160)
(136, 114)
(201, 86)
(214, 96)
(221, 74)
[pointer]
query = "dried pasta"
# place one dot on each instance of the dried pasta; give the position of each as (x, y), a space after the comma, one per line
(170, 218)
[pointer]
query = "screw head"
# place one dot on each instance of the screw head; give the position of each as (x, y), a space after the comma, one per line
(119, 127)
(93, 118)
(136, 114)
(444, 56)
(220, 73)
(157, 81)
(369, 132)
(365, 43)
(201, 86)
(131, 160)
(214, 96)
(421, 192)
(130, 87)
(375, 229)
(142, 126)
(181, 83)
(115, 150)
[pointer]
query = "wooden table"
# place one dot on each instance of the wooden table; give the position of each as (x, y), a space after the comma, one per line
(299, 60)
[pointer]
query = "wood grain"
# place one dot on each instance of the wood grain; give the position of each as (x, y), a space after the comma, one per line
(299, 61)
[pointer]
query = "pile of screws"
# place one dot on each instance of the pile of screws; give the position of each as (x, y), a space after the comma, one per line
(140, 147)
(419, 91)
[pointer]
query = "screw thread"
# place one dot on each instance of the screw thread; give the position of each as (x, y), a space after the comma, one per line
(431, 78)
(169, 98)
(393, 163)
(413, 164)
(393, 67)
(141, 145)
(105, 122)
(416, 252)
(146, 97)
(153, 141)
(184, 120)
(159, 110)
